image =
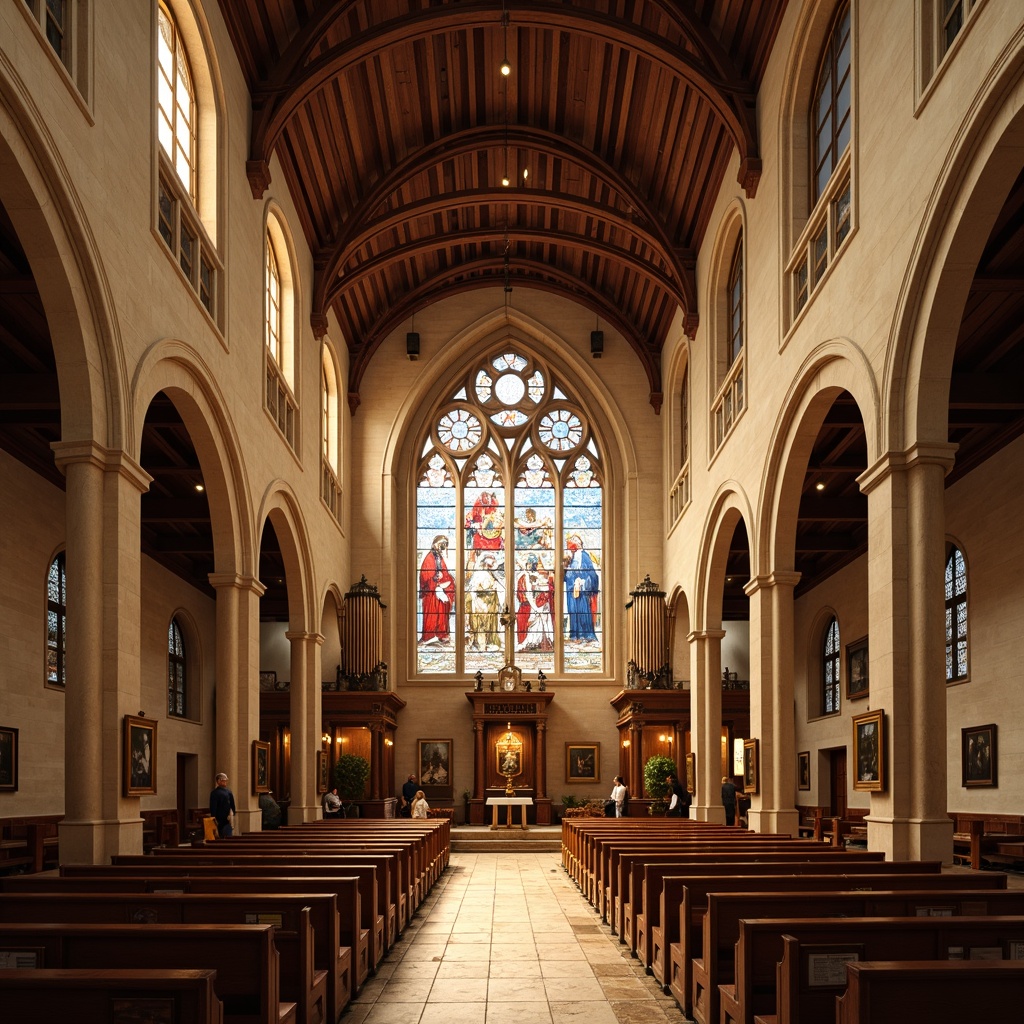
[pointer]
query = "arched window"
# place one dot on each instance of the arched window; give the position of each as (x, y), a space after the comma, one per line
(279, 329)
(956, 616)
(177, 679)
(185, 220)
(176, 102)
(730, 398)
(830, 111)
(830, 658)
(830, 131)
(509, 526)
(330, 483)
(56, 621)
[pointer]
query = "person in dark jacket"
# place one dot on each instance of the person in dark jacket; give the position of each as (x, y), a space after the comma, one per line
(679, 799)
(729, 799)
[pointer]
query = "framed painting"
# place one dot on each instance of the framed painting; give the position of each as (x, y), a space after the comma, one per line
(857, 669)
(751, 782)
(978, 756)
(260, 766)
(803, 769)
(691, 773)
(583, 762)
(268, 681)
(322, 768)
(139, 756)
(869, 752)
(435, 764)
(8, 759)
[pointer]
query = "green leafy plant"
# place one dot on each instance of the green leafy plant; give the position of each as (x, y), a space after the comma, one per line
(570, 801)
(350, 774)
(656, 771)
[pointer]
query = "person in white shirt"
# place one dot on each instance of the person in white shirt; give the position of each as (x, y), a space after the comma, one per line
(419, 805)
(619, 794)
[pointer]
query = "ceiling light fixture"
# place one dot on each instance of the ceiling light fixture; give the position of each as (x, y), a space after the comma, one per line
(506, 68)
(819, 486)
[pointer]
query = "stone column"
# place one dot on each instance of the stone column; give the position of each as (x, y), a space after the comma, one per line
(103, 626)
(237, 689)
(706, 723)
(771, 701)
(906, 627)
(306, 725)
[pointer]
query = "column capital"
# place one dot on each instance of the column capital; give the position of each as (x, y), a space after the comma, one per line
(317, 638)
(237, 581)
(923, 453)
(704, 634)
(109, 460)
(779, 578)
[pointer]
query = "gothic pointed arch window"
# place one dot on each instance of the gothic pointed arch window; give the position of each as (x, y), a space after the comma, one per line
(510, 525)
(56, 621)
(830, 659)
(177, 672)
(956, 616)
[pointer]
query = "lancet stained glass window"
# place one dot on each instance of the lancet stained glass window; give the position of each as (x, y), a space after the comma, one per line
(956, 616)
(509, 526)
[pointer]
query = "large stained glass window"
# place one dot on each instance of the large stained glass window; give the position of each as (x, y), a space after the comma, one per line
(509, 527)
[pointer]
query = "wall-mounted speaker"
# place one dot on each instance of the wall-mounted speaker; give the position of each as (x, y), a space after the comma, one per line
(597, 344)
(412, 346)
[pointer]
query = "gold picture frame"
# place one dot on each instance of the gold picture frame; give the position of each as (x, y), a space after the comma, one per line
(322, 771)
(260, 766)
(803, 769)
(869, 752)
(583, 762)
(139, 756)
(751, 780)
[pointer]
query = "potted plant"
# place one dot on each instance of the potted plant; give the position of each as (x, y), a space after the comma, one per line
(657, 769)
(350, 774)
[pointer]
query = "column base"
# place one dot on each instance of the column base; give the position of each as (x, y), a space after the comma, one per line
(771, 822)
(95, 842)
(911, 838)
(715, 813)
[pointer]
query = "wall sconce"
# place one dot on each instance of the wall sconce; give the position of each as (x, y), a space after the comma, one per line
(325, 738)
(663, 738)
(340, 739)
(389, 743)
(625, 743)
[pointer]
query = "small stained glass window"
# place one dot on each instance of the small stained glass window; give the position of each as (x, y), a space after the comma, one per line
(830, 669)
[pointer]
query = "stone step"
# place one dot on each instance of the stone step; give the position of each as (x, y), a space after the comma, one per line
(535, 839)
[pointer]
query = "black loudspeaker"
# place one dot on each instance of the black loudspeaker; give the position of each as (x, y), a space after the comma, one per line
(412, 346)
(597, 344)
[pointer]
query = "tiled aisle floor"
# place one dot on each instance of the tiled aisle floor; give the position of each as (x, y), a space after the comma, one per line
(506, 938)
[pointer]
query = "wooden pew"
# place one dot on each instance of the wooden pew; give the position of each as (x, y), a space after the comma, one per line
(244, 957)
(332, 949)
(738, 856)
(348, 891)
(880, 992)
(654, 931)
(373, 889)
(300, 982)
(55, 994)
(684, 903)
(759, 949)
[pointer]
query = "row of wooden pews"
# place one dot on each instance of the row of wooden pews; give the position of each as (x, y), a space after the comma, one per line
(751, 929)
(292, 922)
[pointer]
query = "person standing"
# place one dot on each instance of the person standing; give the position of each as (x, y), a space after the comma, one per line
(619, 795)
(729, 799)
(271, 811)
(332, 803)
(679, 800)
(222, 806)
(419, 805)
(409, 790)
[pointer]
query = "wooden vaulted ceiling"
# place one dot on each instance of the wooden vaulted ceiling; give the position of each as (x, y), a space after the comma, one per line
(395, 128)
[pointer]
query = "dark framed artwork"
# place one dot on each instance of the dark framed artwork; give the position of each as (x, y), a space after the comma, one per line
(691, 773)
(139, 756)
(869, 752)
(268, 680)
(322, 768)
(260, 766)
(803, 769)
(978, 756)
(751, 779)
(435, 763)
(583, 762)
(8, 759)
(857, 669)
